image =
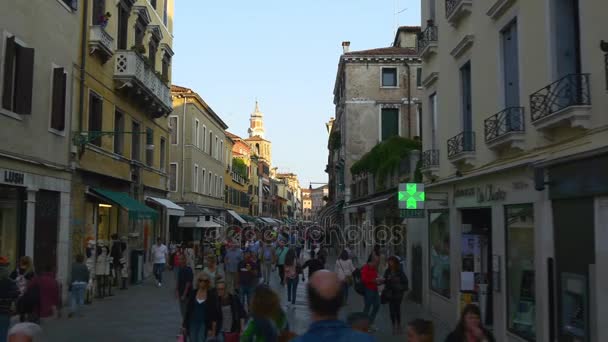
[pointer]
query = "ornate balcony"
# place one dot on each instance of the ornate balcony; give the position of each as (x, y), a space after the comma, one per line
(457, 9)
(565, 102)
(142, 82)
(101, 42)
(461, 148)
(505, 128)
(427, 41)
(430, 160)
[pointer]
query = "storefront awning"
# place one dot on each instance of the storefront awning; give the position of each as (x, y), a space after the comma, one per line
(136, 209)
(196, 222)
(372, 201)
(236, 216)
(172, 208)
(270, 221)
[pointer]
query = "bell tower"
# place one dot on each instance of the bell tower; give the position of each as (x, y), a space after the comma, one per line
(256, 123)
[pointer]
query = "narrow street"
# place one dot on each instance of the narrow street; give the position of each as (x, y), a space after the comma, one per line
(146, 313)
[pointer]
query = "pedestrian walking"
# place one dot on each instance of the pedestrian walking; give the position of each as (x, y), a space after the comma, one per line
(324, 301)
(420, 330)
(189, 252)
(281, 254)
(48, 290)
(370, 280)
(185, 277)
(79, 280)
(267, 321)
(470, 328)
(23, 273)
(314, 264)
(177, 257)
(233, 257)
(159, 256)
(247, 278)
(198, 319)
(344, 269)
(117, 253)
(268, 259)
(232, 316)
(291, 276)
(396, 283)
(212, 271)
(9, 292)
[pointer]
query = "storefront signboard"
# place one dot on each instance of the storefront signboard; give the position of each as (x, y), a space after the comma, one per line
(477, 195)
(12, 177)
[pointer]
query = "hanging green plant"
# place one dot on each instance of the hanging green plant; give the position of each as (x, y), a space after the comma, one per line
(385, 157)
(239, 167)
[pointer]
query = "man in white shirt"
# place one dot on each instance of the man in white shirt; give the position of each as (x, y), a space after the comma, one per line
(159, 256)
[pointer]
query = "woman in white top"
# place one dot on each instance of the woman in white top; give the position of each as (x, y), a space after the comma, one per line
(212, 271)
(344, 268)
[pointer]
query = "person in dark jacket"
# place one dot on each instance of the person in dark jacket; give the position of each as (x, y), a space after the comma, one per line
(8, 294)
(470, 328)
(201, 315)
(80, 280)
(231, 314)
(396, 284)
(314, 264)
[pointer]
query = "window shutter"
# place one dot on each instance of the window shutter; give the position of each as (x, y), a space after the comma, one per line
(58, 106)
(390, 123)
(9, 59)
(24, 81)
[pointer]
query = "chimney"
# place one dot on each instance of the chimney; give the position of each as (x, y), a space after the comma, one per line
(346, 47)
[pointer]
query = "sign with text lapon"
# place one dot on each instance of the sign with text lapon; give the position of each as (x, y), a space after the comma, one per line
(411, 196)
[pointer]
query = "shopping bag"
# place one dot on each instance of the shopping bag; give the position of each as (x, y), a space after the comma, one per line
(181, 338)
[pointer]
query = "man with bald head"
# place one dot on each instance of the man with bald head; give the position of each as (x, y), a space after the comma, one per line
(324, 301)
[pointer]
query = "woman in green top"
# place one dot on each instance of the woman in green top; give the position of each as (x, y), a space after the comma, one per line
(267, 322)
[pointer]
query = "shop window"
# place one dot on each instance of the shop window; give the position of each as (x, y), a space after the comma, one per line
(439, 239)
(521, 306)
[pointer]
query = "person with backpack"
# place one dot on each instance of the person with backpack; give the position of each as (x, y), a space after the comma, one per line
(267, 258)
(291, 276)
(267, 322)
(396, 283)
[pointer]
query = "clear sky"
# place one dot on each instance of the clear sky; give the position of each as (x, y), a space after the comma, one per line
(284, 53)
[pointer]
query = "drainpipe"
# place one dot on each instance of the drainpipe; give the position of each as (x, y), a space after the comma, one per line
(83, 52)
(183, 145)
(409, 101)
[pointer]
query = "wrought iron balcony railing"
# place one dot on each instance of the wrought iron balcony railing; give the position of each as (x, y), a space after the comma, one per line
(570, 90)
(506, 121)
(463, 142)
(430, 158)
(426, 37)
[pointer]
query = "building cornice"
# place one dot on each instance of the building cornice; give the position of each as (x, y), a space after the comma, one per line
(463, 46)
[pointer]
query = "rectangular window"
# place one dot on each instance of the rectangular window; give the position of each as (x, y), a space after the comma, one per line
(95, 117)
(135, 141)
(467, 106)
(99, 11)
(419, 77)
(214, 188)
(152, 49)
(210, 184)
(174, 126)
(217, 146)
(204, 140)
(153, 3)
(123, 26)
(389, 77)
(221, 155)
(149, 147)
(510, 64)
(390, 123)
(18, 80)
(166, 13)
(210, 143)
(163, 153)
(196, 136)
(439, 249)
(433, 117)
(59, 99)
(521, 306)
(119, 135)
(173, 177)
(140, 31)
(195, 178)
(73, 4)
(166, 65)
(204, 184)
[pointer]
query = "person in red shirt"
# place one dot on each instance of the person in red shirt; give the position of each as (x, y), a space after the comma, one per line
(370, 279)
(49, 292)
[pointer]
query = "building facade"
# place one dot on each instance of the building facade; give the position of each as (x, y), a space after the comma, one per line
(238, 176)
(37, 84)
(197, 160)
(306, 204)
(120, 144)
(319, 198)
(514, 157)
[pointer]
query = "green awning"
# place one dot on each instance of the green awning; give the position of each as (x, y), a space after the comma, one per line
(137, 210)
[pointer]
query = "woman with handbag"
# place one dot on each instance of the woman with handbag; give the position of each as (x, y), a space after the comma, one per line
(396, 284)
(345, 268)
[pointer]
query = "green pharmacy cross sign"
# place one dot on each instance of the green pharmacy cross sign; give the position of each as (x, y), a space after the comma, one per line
(411, 196)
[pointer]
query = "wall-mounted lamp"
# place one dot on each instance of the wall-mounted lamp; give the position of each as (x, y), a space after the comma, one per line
(101, 205)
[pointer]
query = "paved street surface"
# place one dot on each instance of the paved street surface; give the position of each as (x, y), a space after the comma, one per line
(148, 314)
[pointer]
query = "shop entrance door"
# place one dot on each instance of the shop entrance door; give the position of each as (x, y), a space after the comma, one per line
(46, 225)
(573, 222)
(476, 264)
